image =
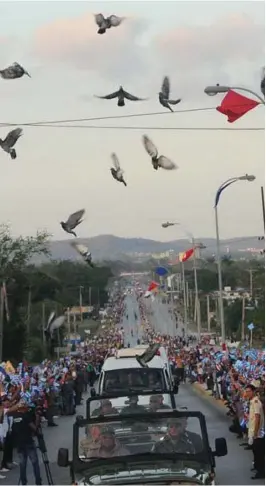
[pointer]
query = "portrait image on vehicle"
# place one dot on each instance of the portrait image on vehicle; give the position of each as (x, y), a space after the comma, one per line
(142, 448)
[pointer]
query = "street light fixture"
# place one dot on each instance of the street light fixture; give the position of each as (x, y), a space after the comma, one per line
(227, 183)
(166, 225)
(217, 89)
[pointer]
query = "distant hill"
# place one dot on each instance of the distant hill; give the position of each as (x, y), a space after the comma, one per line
(111, 247)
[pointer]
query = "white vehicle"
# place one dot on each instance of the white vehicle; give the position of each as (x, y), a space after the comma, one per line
(163, 355)
(122, 373)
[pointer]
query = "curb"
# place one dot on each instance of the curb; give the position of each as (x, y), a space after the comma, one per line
(199, 388)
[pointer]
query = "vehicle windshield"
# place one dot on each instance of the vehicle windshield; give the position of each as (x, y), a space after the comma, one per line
(140, 435)
(129, 404)
(133, 379)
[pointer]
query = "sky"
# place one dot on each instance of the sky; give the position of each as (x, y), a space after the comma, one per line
(59, 170)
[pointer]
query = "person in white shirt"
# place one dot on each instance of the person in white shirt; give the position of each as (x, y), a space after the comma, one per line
(256, 431)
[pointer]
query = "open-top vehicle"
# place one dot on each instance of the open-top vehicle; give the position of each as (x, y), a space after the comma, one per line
(169, 447)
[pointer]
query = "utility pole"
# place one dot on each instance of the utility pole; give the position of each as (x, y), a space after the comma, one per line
(43, 324)
(80, 302)
(29, 312)
(263, 205)
(208, 313)
(90, 296)
(243, 319)
(251, 282)
(68, 321)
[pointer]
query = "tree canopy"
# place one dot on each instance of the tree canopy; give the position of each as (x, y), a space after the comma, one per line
(56, 284)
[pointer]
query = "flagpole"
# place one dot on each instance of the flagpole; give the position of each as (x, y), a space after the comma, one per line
(263, 205)
(196, 290)
(184, 298)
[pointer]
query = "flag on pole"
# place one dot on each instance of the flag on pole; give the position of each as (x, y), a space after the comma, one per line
(153, 286)
(185, 255)
(235, 105)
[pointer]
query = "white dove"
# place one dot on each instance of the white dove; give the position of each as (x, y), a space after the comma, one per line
(116, 171)
(108, 22)
(84, 252)
(56, 324)
(157, 162)
(8, 143)
(49, 322)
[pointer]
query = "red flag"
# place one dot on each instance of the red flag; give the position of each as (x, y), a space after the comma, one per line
(153, 286)
(185, 255)
(235, 105)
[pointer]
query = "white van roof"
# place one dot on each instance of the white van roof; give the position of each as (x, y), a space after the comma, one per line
(114, 363)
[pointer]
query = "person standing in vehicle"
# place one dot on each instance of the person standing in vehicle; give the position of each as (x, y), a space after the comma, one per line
(108, 445)
(106, 408)
(256, 432)
(156, 403)
(133, 406)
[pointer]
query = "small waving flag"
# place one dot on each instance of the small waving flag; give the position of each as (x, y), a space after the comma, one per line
(153, 286)
(185, 255)
(235, 105)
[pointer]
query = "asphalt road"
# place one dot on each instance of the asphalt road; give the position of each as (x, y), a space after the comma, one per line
(232, 469)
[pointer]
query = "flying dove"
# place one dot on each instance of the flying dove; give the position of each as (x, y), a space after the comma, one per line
(165, 93)
(157, 162)
(8, 143)
(116, 171)
(262, 83)
(56, 324)
(121, 94)
(84, 252)
(49, 322)
(73, 221)
(14, 71)
(108, 22)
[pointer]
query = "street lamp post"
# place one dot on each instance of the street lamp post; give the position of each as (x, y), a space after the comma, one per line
(217, 89)
(227, 183)
(198, 317)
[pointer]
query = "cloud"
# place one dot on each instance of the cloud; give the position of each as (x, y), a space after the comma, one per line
(229, 49)
(75, 41)
(230, 39)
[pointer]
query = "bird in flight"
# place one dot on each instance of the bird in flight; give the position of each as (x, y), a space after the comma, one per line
(121, 95)
(157, 162)
(14, 71)
(105, 23)
(73, 221)
(116, 171)
(8, 143)
(165, 93)
(84, 252)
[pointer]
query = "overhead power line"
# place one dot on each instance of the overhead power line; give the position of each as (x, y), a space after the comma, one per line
(100, 127)
(61, 123)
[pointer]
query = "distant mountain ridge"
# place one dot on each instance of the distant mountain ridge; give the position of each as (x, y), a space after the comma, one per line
(112, 247)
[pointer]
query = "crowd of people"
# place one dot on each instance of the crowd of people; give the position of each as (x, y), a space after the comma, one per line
(233, 374)
(31, 396)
